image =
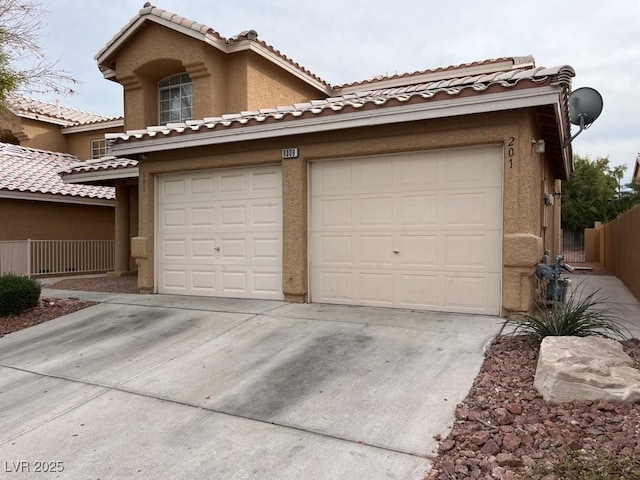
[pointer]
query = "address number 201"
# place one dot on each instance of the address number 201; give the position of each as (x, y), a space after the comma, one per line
(511, 151)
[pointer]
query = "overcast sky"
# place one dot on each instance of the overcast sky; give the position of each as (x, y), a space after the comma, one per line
(345, 41)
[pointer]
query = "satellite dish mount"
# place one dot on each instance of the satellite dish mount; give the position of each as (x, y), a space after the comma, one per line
(585, 106)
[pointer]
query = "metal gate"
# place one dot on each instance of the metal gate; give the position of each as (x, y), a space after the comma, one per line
(573, 246)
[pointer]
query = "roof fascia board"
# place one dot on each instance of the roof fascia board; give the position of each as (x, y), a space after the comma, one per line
(44, 118)
(567, 153)
(117, 174)
(427, 77)
(280, 62)
(547, 95)
(93, 126)
(133, 28)
(46, 197)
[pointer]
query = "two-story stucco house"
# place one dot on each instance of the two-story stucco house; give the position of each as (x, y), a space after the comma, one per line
(257, 179)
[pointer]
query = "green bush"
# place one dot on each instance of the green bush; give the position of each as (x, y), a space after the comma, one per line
(580, 316)
(18, 294)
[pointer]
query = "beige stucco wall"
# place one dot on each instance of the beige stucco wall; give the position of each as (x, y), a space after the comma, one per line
(35, 134)
(523, 187)
(222, 83)
(22, 219)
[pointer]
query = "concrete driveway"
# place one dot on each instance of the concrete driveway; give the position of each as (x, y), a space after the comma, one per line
(154, 387)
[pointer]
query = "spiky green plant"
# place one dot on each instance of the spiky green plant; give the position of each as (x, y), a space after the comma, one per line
(580, 316)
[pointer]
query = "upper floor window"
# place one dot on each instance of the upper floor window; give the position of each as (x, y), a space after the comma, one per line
(98, 148)
(175, 96)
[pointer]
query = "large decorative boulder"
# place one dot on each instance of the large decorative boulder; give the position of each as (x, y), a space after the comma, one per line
(586, 368)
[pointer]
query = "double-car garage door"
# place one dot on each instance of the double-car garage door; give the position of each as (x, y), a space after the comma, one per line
(420, 230)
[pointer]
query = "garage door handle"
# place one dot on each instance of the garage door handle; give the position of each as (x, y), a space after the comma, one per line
(396, 251)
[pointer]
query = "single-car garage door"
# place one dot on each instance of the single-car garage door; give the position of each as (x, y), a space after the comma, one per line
(219, 233)
(420, 230)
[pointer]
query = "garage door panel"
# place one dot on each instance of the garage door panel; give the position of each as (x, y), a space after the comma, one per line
(174, 218)
(419, 251)
(203, 280)
(333, 286)
(203, 217)
(375, 288)
(407, 230)
(468, 293)
(203, 185)
(333, 212)
(470, 168)
(172, 189)
(472, 251)
(418, 170)
(472, 208)
(333, 178)
(220, 233)
(417, 210)
(374, 175)
(203, 249)
(333, 249)
(374, 250)
(374, 211)
(417, 290)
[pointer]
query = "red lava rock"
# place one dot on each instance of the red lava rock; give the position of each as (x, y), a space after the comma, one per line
(502, 416)
(480, 438)
(509, 429)
(514, 408)
(490, 448)
(462, 412)
(508, 460)
(510, 442)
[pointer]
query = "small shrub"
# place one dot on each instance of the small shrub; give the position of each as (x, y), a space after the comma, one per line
(18, 294)
(579, 316)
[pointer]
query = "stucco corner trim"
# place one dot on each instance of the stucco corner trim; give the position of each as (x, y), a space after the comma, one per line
(522, 250)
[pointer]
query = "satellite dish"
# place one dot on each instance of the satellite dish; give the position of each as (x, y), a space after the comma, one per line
(585, 106)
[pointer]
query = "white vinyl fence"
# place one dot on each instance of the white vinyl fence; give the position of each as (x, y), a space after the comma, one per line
(37, 258)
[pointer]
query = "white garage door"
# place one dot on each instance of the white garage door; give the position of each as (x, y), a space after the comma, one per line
(419, 230)
(219, 233)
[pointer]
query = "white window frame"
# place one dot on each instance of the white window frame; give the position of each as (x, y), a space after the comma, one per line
(175, 99)
(98, 148)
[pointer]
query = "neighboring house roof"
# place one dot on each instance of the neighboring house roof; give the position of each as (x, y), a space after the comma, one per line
(246, 40)
(57, 114)
(31, 174)
(100, 171)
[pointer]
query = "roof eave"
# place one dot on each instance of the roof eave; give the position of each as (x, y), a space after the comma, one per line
(56, 198)
(88, 127)
(114, 45)
(484, 103)
(101, 177)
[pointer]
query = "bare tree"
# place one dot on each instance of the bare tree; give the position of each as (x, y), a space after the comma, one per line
(23, 66)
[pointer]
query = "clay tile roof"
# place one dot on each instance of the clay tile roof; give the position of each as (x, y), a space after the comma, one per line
(208, 34)
(29, 170)
(452, 71)
(104, 163)
(445, 89)
(54, 113)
